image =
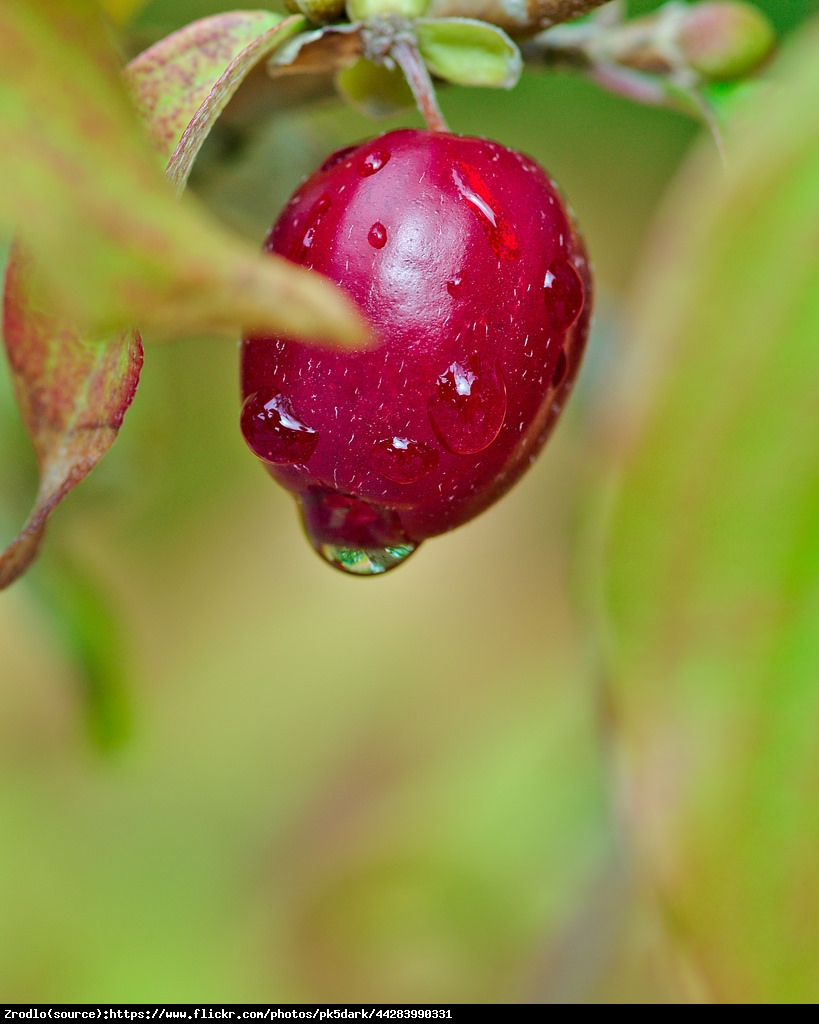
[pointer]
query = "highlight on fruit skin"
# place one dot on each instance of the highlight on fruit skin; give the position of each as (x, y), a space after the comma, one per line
(464, 258)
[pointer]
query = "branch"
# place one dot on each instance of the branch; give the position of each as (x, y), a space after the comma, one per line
(517, 17)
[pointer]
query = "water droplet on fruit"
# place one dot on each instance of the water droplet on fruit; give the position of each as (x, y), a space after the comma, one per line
(377, 236)
(353, 535)
(468, 405)
(321, 205)
(373, 162)
(273, 431)
(475, 192)
(564, 294)
(337, 157)
(402, 460)
(561, 369)
(455, 285)
(299, 250)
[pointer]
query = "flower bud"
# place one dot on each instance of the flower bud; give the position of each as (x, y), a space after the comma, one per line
(725, 39)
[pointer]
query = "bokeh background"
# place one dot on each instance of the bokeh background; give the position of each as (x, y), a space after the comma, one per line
(230, 773)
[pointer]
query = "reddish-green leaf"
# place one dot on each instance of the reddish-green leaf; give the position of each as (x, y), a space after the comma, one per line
(72, 395)
(112, 244)
(182, 84)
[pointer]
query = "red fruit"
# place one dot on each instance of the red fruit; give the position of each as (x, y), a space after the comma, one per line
(463, 257)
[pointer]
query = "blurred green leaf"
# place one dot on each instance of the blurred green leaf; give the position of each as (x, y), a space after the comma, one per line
(113, 246)
(468, 52)
(72, 396)
(725, 98)
(87, 625)
(182, 84)
(712, 571)
(121, 10)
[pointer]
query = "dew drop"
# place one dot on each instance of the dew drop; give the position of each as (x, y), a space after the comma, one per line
(335, 158)
(353, 535)
(564, 293)
(373, 162)
(321, 206)
(475, 192)
(467, 406)
(299, 251)
(377, 236)
(402, 460)
(455, 285)
(273, 431)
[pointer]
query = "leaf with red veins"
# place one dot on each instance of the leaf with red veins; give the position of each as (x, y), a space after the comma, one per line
(113, 245)
(182, 84)
(72, 395)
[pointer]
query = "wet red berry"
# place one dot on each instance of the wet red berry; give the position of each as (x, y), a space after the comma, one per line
(463, 257)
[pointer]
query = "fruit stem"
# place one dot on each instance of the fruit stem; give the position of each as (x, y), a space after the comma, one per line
(407, 57)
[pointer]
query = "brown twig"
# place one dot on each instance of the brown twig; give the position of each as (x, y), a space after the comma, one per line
(515, 16)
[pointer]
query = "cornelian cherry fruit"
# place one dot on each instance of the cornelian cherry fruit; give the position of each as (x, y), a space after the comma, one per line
(463, 257)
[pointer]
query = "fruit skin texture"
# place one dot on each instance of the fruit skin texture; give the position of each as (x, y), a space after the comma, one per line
(465, 260)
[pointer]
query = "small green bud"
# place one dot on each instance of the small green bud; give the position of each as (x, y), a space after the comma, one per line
(319, 11)
(725, 39)
(363, 10)
(468, 52)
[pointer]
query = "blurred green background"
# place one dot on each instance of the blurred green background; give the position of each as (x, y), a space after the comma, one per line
(229, 773)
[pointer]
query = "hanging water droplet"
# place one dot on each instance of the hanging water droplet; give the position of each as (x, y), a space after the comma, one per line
(475, 192)
(377, 236)
(273, 431)
(373, 162)
(402, 460)
(365, 561)
(337, 157)
(300, 249)
(564, 293)
(455, 285)
(353, 535)
(467, 406)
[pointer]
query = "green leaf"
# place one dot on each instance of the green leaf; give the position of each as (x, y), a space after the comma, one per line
(112, 244)
(121, 10)
(468, 52)
(712, 570)
(182, 84)
(725, 98)
(374, 89)
(88, 627)
(72, 395)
